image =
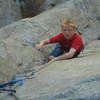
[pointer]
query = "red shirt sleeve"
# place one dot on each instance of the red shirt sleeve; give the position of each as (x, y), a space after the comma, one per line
(77, 44)
(55, 39)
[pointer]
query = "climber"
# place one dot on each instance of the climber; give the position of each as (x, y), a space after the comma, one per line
(69, 43)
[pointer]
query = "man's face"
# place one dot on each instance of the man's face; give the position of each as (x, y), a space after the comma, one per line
(68, 31)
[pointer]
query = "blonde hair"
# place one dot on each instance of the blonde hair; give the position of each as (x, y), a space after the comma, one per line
(72, 23)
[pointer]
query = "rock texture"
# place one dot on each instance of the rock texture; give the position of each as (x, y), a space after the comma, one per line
(62, 80)
(14, 37)
(29, 8)
(76, 79)
(9, 12)
(48, 4)
(14, 10)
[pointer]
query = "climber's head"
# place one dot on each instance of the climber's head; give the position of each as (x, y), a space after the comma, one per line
(69, 28)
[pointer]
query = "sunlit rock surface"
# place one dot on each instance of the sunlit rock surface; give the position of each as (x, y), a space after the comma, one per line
(73, 79)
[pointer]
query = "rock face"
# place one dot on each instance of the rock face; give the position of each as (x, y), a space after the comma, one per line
(73, 79)
(76, 79)
(43, 26)
(29, 8)
(9, 12)
(48, 4)
(62, 80)
(14, 10)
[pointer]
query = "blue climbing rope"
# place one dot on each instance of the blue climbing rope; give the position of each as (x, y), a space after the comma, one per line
(8, 87)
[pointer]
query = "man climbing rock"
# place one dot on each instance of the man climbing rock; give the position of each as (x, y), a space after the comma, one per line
(69, 43)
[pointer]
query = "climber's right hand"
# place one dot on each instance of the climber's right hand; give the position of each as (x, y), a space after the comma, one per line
(42, 44)
(39, 46)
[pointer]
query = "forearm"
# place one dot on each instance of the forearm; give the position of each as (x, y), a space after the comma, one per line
(44, 42)
(65, 56)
